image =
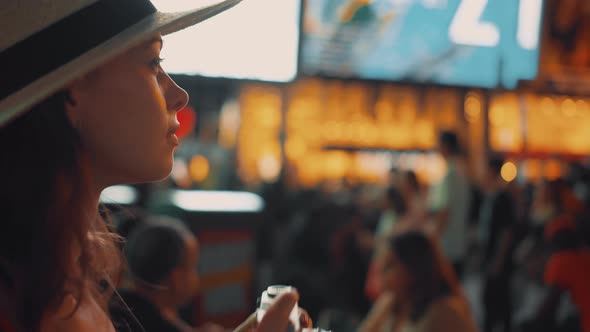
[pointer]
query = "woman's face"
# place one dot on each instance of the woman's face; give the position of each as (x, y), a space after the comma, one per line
(395, 277)
(125, 112)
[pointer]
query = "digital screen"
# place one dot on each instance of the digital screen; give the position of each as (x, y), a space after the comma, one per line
(256, 40)
(481, 43)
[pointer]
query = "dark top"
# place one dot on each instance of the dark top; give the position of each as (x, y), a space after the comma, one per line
(497, 214)
(144, 311)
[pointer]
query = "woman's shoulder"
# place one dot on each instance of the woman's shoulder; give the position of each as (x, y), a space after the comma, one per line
(450, 313)
(79, 314)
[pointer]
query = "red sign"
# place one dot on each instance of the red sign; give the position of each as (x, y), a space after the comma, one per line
(187, 118)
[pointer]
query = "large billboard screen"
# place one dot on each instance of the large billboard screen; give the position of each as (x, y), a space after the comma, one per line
(482, 43)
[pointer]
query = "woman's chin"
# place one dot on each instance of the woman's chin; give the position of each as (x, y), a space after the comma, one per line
(163, 173)
(155, 174)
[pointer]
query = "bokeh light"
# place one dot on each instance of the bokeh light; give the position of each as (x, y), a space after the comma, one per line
(199, 168)
(509, 171)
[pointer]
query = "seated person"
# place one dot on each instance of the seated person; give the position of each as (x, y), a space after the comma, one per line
(419, 291)
(162, 255)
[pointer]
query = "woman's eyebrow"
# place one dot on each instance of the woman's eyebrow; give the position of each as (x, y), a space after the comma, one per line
(157, 39)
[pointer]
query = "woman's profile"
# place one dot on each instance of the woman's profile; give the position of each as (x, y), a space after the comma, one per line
(84, 104)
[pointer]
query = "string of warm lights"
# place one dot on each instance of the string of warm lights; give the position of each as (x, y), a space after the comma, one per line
(330, 128)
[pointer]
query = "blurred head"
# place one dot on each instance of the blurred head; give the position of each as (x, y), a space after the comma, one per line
(416, 272)
(448, 144)
(163, 255)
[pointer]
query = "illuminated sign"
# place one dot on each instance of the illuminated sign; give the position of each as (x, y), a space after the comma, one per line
(480, 43)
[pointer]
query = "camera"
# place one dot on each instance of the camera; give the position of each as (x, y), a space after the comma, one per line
(268, 297)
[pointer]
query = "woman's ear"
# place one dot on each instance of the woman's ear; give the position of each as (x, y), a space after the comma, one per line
(73, 96)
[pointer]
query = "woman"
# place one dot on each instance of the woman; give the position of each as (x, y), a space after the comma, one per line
(419, 290)
(84, 104)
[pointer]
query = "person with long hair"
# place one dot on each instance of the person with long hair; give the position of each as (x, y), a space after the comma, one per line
(419, 290)
(84, 105)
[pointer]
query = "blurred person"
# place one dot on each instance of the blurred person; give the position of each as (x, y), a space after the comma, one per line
(546, 205)
(393, 177)
(411, 190)
(377, 214)
(419, 290)
(543, 206)
(162, 256)
(449, 201)
(395, 208)
(415, 215)
(566, 271)
(392, 216)
(84, 105)
(497, 222)
(579, 178)
(553, 199)
(404, 206)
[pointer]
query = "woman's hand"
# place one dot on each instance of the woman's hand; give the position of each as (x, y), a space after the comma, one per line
(276, 318)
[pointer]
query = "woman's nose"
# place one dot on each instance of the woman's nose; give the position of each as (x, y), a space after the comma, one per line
(176, 97)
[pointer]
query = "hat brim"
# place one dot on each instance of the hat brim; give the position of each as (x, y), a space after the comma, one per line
(159, 22)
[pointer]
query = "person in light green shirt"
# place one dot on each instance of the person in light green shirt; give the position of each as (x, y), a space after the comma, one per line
(448, 202)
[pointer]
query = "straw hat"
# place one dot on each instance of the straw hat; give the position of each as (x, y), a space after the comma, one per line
(45, 44)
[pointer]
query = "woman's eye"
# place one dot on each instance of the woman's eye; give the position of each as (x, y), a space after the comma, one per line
(155, 64)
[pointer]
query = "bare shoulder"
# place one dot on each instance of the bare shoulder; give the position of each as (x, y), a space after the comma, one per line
(71, 317)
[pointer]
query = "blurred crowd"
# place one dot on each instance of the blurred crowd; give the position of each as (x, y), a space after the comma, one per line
(463, 254)
(518, 251)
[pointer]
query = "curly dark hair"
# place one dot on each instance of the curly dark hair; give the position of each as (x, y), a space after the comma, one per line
(47, 211)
